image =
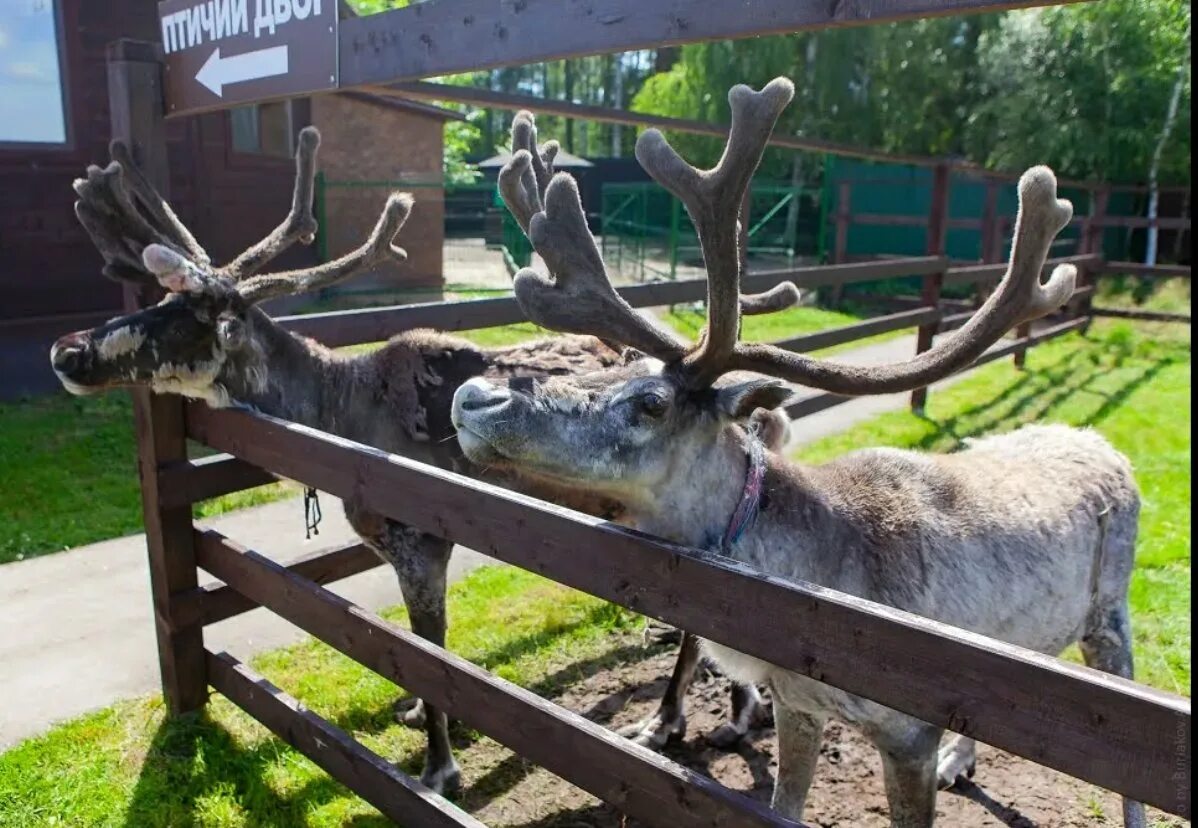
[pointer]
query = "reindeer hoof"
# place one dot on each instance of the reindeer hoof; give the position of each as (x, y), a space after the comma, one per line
(726, 736)
(655, 732)
(445, 780)
(949, 774)
(410, 713)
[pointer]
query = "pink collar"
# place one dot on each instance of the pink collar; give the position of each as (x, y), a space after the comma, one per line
(750, 498)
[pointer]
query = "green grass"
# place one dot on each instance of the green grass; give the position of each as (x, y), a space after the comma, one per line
(70, 475)
(1132, 384)
(127, 766)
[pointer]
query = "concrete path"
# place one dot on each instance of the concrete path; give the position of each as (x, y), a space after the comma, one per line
(75, 627)
(76, 630)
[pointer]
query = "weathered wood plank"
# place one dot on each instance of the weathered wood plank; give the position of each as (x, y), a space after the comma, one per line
(491, 99)
(215, 601)
(352, 327)
(937, 239)
(860, 330)
(1094, 726)
(1146, 315)
(1149, 271)
(970, 274)
(432, 39)
(635, 780)
(399, 796)
(189, 481)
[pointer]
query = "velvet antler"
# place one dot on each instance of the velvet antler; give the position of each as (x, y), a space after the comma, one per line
(580, 298)
(143, 241)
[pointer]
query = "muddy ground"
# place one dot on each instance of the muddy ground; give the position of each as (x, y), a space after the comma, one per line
(502, 789)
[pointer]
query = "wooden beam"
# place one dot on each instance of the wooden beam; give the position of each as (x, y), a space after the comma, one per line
(861, 330)
(936, 243)
(1098, 727)
(352, 327)
(601, 114)
(135, 109)
(1142, 270)
(1145, 315)
(215, 601)
(370, 776)
(637, 781)
(428, 40)
(184, 482)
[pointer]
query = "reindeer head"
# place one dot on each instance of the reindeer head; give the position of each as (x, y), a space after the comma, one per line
(626, 429)
(205, 326)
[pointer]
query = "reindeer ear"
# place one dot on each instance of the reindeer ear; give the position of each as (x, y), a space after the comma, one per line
(172, 270)
(740, 400)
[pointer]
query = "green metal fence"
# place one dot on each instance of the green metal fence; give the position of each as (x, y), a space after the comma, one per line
(647, 234)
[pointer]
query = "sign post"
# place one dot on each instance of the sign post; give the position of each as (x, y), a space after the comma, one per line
(222, 53)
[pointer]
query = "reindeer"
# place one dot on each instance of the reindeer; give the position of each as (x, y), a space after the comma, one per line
(208, 339)
(1027, 537)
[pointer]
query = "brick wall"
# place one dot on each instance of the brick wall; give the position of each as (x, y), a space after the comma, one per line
(48, 267)
(365, 141)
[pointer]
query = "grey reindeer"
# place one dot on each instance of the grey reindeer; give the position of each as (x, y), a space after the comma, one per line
(1027, 537)
(207, 339)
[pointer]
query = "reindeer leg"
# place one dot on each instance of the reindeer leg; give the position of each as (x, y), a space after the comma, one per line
(669, 721)
(909, 748)
(422, 561)
(800, 735)
(748, 711)
(956, 759)
(1106, 646)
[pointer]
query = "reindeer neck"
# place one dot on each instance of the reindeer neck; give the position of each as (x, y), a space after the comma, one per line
(695, 501)
(284, 375)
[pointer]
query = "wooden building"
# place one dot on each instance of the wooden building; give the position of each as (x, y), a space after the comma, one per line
(230, 172)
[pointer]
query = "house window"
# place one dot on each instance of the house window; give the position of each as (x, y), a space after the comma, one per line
(31, 88)
(264, 129)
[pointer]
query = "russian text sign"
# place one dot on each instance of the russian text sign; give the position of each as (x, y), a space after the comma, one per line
(225, 52)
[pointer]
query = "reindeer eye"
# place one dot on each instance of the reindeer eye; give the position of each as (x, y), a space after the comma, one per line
(653, 403)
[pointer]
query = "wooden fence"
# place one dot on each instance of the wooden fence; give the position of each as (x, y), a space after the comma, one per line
(1114, 733)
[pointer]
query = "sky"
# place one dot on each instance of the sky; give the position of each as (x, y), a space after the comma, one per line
(30, 93)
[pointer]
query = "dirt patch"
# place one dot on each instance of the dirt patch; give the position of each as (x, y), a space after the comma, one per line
(502, 789)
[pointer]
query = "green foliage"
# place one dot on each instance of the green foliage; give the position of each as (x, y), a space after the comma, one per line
(1085, 89)
(1081, 87)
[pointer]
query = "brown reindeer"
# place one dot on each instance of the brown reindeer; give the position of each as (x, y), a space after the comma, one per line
(1027, 537)
(207, 339)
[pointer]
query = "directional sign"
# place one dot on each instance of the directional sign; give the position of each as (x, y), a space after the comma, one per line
(226, 52)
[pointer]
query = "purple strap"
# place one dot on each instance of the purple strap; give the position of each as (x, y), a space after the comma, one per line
(750, 499)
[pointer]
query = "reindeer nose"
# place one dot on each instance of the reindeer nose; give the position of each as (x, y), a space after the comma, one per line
(69, 354)
(478, 395)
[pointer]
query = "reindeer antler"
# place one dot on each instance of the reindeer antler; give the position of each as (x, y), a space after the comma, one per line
(1019, 298)
(143, 241)
(581, 299)
(713, 199)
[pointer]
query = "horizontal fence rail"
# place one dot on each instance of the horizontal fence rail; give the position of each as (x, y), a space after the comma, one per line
(353, 327)
(1109, 731)
(634, 779)
(369, 775)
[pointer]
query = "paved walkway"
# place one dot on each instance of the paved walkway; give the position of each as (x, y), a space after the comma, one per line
(75, 627)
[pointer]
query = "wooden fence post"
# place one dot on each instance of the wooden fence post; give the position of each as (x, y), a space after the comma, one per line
(936, 244)
(135, 97)
(844, 217)
(1093, 233)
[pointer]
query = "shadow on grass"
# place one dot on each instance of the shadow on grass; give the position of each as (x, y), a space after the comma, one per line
(195, 757)
(1037, 392)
